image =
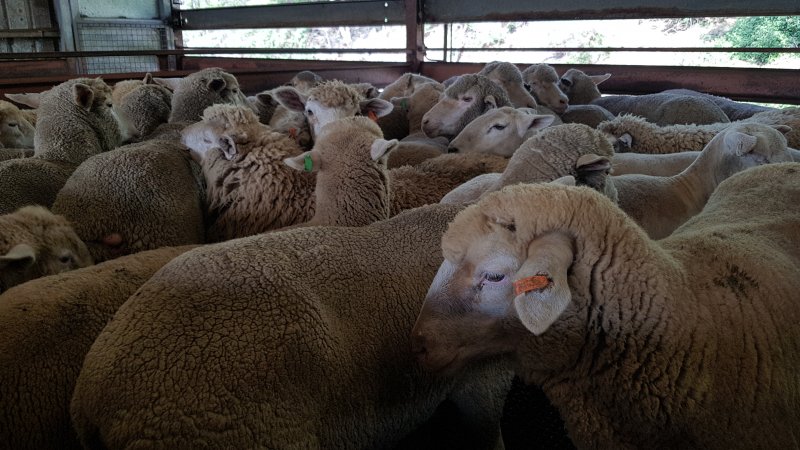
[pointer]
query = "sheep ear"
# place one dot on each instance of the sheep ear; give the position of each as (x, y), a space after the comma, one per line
(20, 257)
(148, 78)
(216, 85)
(305, 162)
(371, 92)
(381, 147)
(541, 285)
(626, 140)
(592, 163)
(597, 79)
(782, 128)
(265, 98)
(377, 106)
(170, 83)
(740, 143)
(290, 98)
(32, 99)
(533, 122)
(489, 102)
(228, 146)
(82, 95)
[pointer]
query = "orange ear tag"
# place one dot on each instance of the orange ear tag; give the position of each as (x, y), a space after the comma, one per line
(372, 116)
(529, 284)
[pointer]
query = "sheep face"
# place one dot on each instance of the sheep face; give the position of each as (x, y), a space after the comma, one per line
(742, 146)
(201, 137)
(37, 243)
(15, 130)
(543, 82)
(464, 100)
(500, 132)
(508, 76)
(579, 87)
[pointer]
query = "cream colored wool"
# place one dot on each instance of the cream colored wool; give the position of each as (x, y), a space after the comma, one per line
(687, 342)
(543, 82)
(46, 328)
(14, 153)
(194, 93)
(405, 86)
(142, 105)
(509, 77)
(295, 339)
(501, 131)
(16, 131)
(591, 115)
(34, 243)
(665, 165)
(416, 147)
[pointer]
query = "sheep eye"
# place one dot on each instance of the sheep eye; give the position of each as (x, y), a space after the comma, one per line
(466, 99)
(309, 112)
(65, 259)
(12, 124)
(566, 82)
(494, 277)
(498, 127)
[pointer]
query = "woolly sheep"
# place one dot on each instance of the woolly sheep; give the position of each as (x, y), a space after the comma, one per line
(734, 110)
(579, 87)
(75, 122)
(249, 189)
(591, 115)
(570, 149)
(14, 153)
(142, 105)
(687, 342)
(500, 131)
(463, 101)
(195, 92)
(640, 136)
(15, 130)
(416, 147)
(656, 165)
(508, 76)
(329, 101)
(35, 242)
(661, 204)
(324, 313)
(32, 100)
(543, 82)
(264, 105)
(665, 109)
(419, 97)
(352, 187)
(404, 86)
(138, 197)
(46, 328)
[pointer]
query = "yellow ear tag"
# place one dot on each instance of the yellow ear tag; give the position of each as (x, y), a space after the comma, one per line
(529, 284)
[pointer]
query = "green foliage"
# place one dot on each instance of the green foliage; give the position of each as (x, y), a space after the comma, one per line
(777, 31)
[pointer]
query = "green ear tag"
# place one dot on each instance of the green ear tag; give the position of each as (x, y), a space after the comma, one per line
(308, 165)
(404, 104)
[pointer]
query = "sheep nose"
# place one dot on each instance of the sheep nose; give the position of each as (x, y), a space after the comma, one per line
(452, 149)
(418, 344)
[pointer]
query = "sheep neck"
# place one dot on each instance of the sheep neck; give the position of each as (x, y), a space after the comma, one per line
(351, 195)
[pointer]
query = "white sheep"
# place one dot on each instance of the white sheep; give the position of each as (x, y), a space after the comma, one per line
(592, 115)
(75, 121)
(352, 186)
(664, 165)
(543, 81)
(46, 328)
(35, 242)
(249, 189)
(415, 146)
(195, 92)
(509, 77)
(579, 87)
(16, 131)
(141, 105)
(295, 339)
(734, 110)
(405, 85)
(687, 342)
(500, 131)
(665, 109)
(661, 204)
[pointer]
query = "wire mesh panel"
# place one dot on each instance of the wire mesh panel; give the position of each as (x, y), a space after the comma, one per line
(127, 35)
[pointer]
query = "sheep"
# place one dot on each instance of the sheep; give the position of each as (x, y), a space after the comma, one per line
(329, 101)
(570, 149)
(665, 165)
(142, 105)
(687, 342)
(592, 115)
(734, 110)
(661, 204)
(75, 122)
(14, 153)
(304, 80)
(508, 76)
(415, 147)
(249, 189)
(463, 101)
(46, 328)
(138, 197)
(35, 242)
(579, 87)
(640, 136)
(308, 348)
(500, 131)
(197, 91)
(404, 86)
(15, 130)
(264, 105)
(665, 109)
(352, 186)
(410, 92)
(543, 82)
(30, 100)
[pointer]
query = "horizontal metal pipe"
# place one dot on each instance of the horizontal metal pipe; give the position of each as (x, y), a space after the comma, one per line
(625, 49)
(192, 51)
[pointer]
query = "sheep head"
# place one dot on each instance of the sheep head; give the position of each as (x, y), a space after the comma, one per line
(543, 82)
(15, 130)
(508, 76)
(499, 131)
(225, 128)
(579, 87)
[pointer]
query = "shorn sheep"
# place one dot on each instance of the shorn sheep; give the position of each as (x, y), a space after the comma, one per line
(500, 131)
(509, 77)
(665, 109)
(579, 87)
(46, 327)
(734, 110)
(35, 242)
(661, 204)
(543, 82)
(16, 131)
(295, 339)
(687, 342)
(199, 90)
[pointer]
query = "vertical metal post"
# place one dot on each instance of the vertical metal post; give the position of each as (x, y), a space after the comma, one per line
(415, 47)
